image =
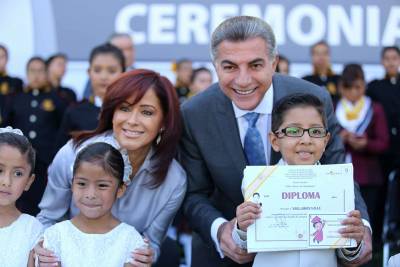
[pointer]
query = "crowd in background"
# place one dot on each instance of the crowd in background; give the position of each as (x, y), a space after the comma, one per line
(49, 115)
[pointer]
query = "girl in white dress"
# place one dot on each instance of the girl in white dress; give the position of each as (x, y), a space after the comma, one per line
(19, 232)
(94, 237)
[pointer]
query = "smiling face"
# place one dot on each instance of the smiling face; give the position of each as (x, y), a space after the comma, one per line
(391, 62)
(103, 69)
(244, 71)
(137, 126)
(15, 175)
(303, 150)
(95, 191)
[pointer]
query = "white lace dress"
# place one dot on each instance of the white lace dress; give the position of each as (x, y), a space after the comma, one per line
(75, 248)
(18, 239)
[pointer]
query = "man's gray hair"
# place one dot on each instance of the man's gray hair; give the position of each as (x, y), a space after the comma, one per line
(118, 35)
(242, 28)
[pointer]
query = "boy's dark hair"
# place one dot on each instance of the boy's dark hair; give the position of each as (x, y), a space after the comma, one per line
(108, 49)
(36, 58)
(57, 55)
(197, 71)
(23, 145)
(103, 155)
(294, 101)
(387, 48)
(350, 74)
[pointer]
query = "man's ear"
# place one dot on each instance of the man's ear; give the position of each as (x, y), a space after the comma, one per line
(275, 63)
(30, 181)
(273, 139)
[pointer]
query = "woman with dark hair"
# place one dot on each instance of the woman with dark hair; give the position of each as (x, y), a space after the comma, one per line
(106, 63)
(140, 117)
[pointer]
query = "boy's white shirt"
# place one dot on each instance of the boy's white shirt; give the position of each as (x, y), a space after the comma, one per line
(303, 258)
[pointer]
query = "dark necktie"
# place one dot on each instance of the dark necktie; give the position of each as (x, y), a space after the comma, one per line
(253, 145)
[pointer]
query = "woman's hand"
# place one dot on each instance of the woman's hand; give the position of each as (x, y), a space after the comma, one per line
(246, 214)
(143, 257)
(354, 226)
(45, 257)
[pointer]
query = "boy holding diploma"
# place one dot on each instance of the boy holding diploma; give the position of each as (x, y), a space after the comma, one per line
(292, 117)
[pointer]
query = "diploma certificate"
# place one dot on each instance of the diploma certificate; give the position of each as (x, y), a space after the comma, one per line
(302, 206)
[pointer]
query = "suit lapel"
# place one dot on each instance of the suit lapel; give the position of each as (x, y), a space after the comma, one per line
(228, 130)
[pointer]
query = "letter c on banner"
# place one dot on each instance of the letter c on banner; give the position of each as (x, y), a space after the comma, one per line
(123, 21)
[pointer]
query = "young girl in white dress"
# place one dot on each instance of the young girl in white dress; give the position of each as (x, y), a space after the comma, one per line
(19, 232)
(299, 132)
(95, 238)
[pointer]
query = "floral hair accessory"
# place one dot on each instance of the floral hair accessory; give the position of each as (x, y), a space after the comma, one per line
(9, 129)
(127, 166)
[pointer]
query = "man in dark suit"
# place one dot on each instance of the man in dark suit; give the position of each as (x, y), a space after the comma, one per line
(214, 136)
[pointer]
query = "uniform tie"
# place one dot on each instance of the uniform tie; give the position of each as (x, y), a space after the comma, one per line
(253, 145)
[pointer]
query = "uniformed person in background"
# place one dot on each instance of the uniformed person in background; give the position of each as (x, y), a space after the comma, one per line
(37, 111)
(8, 85)
(387, 92)
(56, 66)
(323, 74)
(183, 70)
(106, 62)
(125, 43)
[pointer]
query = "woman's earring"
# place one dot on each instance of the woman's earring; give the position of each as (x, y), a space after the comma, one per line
(158, 140)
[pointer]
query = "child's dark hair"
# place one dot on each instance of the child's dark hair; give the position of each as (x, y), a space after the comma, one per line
(294, 101)
(35, 59)
(197, 71)
(108, 49)
(103, 155)
(23, 145)
(351, 73)
(53, 57)
(388, 48)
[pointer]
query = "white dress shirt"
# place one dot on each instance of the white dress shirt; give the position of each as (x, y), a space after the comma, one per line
(263, 125)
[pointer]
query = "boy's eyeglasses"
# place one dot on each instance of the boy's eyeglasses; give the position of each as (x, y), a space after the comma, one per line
(316, 132)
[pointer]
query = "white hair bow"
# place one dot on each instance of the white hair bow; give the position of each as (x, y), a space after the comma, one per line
(9, 129)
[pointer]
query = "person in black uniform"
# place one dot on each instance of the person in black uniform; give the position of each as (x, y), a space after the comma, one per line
(323, 74)
(8, 85)
(124, 42)
(37, 111)
(106, 63)
(183, 69)
(387, 92)
(56, 65)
